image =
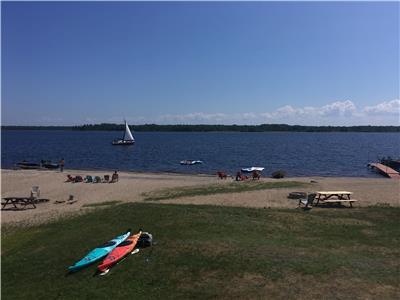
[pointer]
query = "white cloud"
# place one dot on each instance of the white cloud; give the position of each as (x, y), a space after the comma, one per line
(197, 117)
(339, 108)
(387, 107)
(343, 112)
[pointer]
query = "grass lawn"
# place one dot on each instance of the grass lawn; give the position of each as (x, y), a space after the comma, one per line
(212, 189)
(211, 252)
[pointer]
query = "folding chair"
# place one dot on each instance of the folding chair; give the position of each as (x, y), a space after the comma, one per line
(35, 192)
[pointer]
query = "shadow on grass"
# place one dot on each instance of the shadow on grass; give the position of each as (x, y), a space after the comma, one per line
(99, 204)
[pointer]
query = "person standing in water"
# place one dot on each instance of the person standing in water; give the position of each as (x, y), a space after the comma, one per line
(61, 163)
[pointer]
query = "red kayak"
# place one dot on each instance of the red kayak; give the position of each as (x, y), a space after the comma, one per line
(119, 252)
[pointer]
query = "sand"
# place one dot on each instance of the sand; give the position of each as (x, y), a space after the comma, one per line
(131, 186)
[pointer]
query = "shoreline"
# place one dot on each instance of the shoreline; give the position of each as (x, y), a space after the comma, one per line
(132, 185)
(375, 175)
(76, 170)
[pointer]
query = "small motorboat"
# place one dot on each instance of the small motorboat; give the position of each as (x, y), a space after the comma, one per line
(251, 169)
(50, 165)
(189, 162)
(28, 165)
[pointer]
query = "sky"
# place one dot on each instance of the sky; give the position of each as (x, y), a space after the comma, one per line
(306, 63)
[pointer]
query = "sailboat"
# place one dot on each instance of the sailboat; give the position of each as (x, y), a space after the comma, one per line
(127, 138)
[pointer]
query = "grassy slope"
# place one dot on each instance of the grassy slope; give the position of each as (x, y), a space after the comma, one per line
(207, 252)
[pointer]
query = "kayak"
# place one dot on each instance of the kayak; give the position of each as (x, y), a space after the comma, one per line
(119, 252)
(249, 170)
(99, 252)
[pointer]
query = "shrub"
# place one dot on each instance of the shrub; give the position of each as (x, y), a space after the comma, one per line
(278, 174)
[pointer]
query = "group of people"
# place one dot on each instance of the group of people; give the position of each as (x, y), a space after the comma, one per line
(239, 175)
(255, 175)
(94, 179)
(89, 178)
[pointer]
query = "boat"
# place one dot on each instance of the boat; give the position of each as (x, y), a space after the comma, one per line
(127, 139)
(49, 165)
(251, 169)
(99, 252)
(119, 253)
(190, 162)
(28, 165)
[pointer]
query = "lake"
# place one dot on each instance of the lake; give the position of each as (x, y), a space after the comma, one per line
(298, 153)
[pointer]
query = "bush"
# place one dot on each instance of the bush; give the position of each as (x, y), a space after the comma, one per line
(278, 174)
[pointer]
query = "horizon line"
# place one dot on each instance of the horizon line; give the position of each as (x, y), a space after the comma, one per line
(200, 124)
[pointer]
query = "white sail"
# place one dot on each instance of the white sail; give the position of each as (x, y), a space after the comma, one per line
(128, 135)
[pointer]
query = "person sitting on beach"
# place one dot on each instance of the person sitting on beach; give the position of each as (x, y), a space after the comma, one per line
(114, 177)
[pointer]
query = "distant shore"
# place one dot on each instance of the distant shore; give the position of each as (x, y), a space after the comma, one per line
(211, 128)
(132, 185)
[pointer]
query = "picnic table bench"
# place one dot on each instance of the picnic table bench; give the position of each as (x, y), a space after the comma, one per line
(337, 197)
(23, 202)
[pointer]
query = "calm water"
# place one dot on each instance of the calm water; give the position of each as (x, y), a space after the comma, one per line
(299, 154)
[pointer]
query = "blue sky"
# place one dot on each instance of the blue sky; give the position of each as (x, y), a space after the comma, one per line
(311, 63)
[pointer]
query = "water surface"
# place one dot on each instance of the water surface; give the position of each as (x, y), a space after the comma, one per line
(298, 153)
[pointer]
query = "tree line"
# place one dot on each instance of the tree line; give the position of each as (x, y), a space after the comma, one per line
(212, 128)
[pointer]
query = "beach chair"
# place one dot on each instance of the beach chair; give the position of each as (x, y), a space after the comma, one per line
(70, 178)
(243, 177)
(106, 178)
(222, 175)
(88, 179)
(78, 179)
(307, 203)
(97, 179)
(256, 175)
(35, 192)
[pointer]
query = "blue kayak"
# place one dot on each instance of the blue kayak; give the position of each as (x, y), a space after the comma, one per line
(99, 252)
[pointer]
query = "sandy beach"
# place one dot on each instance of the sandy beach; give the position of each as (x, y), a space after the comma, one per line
(131, 186)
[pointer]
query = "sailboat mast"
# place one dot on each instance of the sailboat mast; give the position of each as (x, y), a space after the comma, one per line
(123, 138)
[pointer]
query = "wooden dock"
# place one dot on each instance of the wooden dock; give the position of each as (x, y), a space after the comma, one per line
(385, 170)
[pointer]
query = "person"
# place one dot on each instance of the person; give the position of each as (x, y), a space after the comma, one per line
(61, 163)
(256, 175)
(114, 177)
(238, 176)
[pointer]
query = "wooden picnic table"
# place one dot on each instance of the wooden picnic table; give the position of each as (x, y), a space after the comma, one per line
(337, 197)
(22, 201)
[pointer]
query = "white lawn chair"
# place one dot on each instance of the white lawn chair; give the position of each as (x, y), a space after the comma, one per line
(35, 192)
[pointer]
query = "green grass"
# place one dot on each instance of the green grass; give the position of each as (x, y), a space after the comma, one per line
(213, 252)
(105, 203)
(204, 190)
